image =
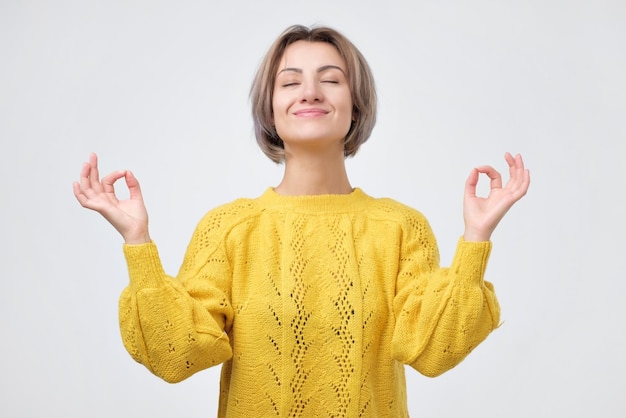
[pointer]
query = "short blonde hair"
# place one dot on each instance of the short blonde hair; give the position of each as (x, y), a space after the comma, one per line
(360, 80)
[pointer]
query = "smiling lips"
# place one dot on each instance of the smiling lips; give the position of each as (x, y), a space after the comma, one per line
(309, 113)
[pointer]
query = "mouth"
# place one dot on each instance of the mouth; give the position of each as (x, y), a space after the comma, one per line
(309, 113)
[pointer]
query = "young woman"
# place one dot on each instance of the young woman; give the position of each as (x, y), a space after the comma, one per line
(314, 296)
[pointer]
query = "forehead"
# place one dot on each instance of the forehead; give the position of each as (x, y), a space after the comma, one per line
(305, 54)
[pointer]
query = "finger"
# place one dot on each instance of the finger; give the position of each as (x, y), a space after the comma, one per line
(520, 177)
(524, 173)
(495, 179)
(78, 193)
(514, 172)
(524, 179)
(133, 186)
(510, 160)
(471, 182)
(94, 175)
(87, 173)
(108, 181)
(84, 182)
(83, 197)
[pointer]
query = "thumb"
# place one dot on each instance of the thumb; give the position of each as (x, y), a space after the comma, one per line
(471, 182)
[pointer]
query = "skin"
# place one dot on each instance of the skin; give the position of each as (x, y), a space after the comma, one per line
(129, 217)
(312, 113)
(482, 214)
(312, 106)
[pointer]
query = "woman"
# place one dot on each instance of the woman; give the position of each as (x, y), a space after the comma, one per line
(313, 295)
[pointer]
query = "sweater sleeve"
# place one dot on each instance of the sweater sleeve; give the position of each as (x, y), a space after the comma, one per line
(176, 326)
(442, 314)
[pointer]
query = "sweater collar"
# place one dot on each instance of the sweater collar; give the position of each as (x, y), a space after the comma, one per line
(356, 200)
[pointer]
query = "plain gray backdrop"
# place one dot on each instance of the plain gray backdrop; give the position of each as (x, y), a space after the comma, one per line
(161, 87)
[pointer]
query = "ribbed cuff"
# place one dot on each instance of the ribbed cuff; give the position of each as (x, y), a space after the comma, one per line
(470, 260)
(144, 266)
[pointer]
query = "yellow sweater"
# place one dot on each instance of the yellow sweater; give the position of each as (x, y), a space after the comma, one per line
(313, 303)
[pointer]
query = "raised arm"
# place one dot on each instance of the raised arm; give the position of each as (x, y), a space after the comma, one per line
(442, 314)
(129, 217)
(482, 214)
(173, 326)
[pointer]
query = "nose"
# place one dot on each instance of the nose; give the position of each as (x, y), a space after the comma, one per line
(311, 92)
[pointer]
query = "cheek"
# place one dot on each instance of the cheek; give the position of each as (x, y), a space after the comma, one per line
(279, 105)
(348, 110)
(346, 102)
(278, 114)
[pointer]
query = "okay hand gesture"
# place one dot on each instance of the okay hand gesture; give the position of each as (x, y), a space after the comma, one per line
(129, 217)
(482, 214)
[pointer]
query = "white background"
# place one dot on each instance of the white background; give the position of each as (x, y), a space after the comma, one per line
(161, 87)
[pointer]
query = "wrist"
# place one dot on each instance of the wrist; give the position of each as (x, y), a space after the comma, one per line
(137, 238)
(476, 236)
(137, 241)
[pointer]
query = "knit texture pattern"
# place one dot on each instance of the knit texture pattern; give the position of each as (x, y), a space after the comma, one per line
(314, 305)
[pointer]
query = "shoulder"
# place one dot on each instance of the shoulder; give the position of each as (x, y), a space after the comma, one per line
(394, 210)
(412, 223)
(413, 226)
(227, 216)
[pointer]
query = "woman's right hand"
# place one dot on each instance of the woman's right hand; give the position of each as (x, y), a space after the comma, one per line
(129, 217)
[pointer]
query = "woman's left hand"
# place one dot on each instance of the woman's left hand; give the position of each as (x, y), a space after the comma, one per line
(482, 214)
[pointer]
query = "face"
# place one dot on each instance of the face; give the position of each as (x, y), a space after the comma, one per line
(312, 103)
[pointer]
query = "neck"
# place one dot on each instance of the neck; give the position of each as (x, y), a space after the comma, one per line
(314, 174)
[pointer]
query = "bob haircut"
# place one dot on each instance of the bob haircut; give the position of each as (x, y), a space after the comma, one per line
(360, 80)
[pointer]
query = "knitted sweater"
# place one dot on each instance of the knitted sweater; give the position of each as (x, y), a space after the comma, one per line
(313, 303)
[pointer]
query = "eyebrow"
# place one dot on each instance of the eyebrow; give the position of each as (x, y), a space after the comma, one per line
(319, 70)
